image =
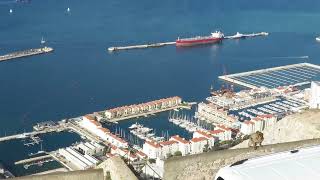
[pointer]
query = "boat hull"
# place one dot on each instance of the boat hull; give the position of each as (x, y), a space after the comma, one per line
(197, 42)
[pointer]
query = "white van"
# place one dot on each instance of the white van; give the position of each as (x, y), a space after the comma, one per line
(302, 164)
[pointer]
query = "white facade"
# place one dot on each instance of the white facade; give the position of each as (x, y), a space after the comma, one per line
(90, 148)
(269, 120)
(198, 144)
(117, 141)
(207, 135)
(227, 132)
(258, 124)
(168, 148)
(152, 149)
(314, 101)
(183, 145)
(247, 128)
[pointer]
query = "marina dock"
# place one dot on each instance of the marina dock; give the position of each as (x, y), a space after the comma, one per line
(289, 75)
(25, 135)
(25, 53)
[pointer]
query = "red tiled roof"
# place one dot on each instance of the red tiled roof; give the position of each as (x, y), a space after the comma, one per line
(167, 143)
(198, 139)
(179, 139)
(204, 134)
(153, 144)
(139, 153)
(144, 104)
(248, 122)
(257, 119)
(266, 116)
(216, 131)
(224, 127)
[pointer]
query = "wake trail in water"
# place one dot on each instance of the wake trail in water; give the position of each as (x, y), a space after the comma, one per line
(291, 57)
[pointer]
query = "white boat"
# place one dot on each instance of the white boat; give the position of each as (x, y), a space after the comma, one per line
(112, 49)
(68, 9)
(10, 11)
(134, 126)
(42, 41)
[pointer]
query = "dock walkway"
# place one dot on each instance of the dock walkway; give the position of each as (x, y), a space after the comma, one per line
(33, 133)
(143, 46)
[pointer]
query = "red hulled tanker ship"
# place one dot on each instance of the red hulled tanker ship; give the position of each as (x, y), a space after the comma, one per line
(214, 38)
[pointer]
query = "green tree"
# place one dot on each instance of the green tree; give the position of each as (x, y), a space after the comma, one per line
(178, 153)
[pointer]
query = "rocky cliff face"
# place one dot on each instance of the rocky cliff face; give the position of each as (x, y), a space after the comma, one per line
(296, 127)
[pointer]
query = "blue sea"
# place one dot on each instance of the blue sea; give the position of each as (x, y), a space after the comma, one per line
(81, 77)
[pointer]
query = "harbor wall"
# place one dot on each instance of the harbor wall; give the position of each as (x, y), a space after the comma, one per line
(204, 166)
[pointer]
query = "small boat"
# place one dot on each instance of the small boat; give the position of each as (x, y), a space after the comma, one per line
(134, 126)
(68, 9)
(318, 38)
(112, 49)
(42, 41)
(10, 11)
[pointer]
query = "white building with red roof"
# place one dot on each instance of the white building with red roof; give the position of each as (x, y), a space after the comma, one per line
(258, 123)
(247, 127)
(168, 148)
(116, 141)
(198, 144)
(269, 120)
(123, 153)
(183, 145)
(226, 131)
(152, 149)
(211, 139)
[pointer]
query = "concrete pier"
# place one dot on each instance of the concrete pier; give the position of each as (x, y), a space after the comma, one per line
(32, 159)
(143, 46)
(29, 52)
